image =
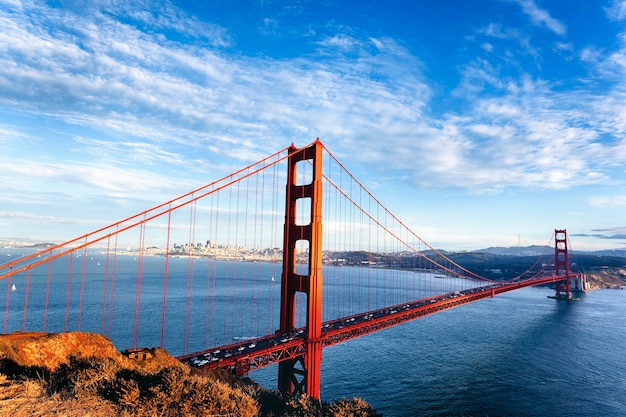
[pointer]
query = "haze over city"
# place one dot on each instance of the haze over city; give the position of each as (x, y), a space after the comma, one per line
(483, 123)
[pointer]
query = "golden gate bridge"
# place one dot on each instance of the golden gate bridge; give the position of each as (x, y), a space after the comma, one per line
(268, 265)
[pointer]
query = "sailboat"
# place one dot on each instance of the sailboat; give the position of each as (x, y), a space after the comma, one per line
(13, 288)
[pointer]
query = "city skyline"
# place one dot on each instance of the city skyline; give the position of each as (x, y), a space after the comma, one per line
(483, 124)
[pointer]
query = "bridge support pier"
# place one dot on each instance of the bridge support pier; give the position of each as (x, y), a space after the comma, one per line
(302, 374)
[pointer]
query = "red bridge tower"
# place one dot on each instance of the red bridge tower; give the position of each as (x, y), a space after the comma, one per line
(561, 267)
(561, 263)
(302, 374)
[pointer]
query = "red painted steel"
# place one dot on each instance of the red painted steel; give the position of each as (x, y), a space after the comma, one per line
(291, 347)
(298, 351)
(291, 379)
(561, 264)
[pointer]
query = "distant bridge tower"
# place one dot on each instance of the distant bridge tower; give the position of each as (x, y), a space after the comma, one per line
(573, 282)
(302, 374)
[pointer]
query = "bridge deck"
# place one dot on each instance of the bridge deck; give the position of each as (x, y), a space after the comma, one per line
(256, 353)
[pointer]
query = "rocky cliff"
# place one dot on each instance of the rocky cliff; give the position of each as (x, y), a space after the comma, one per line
(82, 374)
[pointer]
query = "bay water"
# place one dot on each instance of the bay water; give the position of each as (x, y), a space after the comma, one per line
(518, 354)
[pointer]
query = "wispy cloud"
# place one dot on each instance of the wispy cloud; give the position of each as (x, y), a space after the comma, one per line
(50, 219)
(93, 70)
(134, 152)
(618, 233)
(541, 17)
(617, 10)
(93, 178)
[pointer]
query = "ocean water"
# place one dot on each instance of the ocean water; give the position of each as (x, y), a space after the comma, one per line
(518, 354)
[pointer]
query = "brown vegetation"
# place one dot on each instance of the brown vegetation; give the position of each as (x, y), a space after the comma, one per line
(82, 374)
(606, 278)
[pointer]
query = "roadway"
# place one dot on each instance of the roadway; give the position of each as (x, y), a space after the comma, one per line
(242, 356)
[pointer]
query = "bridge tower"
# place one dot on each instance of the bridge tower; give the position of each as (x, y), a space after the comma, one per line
(302, 374)
(561, 264)
(561, 267)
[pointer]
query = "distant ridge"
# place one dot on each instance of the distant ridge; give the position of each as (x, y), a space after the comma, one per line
(620, 253)
(533, 250)
(536, 250)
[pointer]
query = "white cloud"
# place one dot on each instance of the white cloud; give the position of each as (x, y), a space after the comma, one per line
(9, 134)
(341, 41)
(135, 152)
(165, 101)
(104, 178)
(48, 219)
(541, 17)
(564, 46)
(590, 54)
(617, 10)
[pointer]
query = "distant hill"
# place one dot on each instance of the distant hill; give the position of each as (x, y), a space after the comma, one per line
(536, 250)
(533, 250)
(621, 253)
(506, 264)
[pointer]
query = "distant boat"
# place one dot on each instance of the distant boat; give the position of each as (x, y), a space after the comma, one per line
(13, 288)
(273, 279)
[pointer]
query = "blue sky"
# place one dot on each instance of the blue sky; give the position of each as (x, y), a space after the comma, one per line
(478, 123)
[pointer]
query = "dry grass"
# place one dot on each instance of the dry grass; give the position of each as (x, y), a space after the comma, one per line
(304, 406)
(29, 398)
(82, 374)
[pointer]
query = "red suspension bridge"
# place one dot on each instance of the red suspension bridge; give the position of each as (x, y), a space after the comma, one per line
(246, 272)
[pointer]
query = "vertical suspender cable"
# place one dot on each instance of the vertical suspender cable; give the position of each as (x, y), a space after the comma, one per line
(349, 245)
(69, 287)
(45, 307)
(336, 242)
(242, 275)
(166, 273)
(254, 301)
(104, 285)
(370, 246)
(217, 211)
(138, 284)
(227, 272)
(26, 301)
(6, 310)
(113, 283)
(257, 247)
(386, 301)
(82, 285)
(391, 277)
(208, 322)
(189, 281)
(273, 193)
